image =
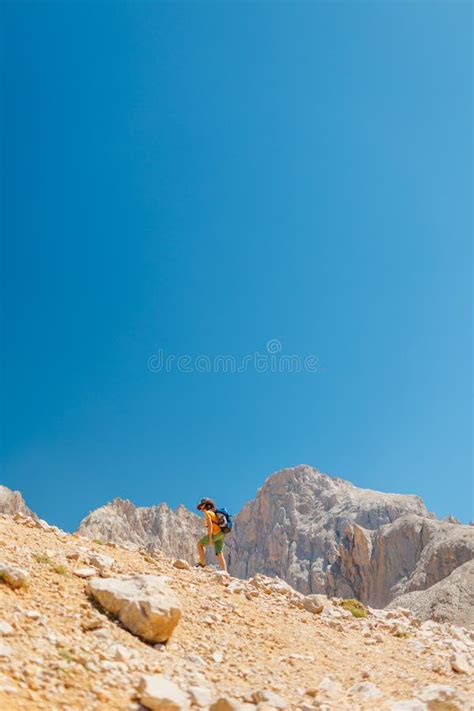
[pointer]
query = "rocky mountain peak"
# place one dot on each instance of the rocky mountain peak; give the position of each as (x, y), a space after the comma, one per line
(12, 502)
(120, 521)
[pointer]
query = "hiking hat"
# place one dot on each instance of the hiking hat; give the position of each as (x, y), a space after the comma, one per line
(205, 501)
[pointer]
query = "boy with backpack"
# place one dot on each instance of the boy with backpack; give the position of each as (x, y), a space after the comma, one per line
(218, 523)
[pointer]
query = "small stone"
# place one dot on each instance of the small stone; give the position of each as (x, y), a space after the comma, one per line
(200, 696)
(5, 628)
(217, 657)
(269, 697)
(365, 690)
(33, 614)
(159, 694)
(460, 664)
(329, 685)
(120, 652)
(91, 622)
(13, 576)
(181, 564)
(439, 696)
(225, 704)
(221, 576)
(85, 572)
(196, 659)
(408, 705)
(101, 562)
(313, 604)
(5, 651)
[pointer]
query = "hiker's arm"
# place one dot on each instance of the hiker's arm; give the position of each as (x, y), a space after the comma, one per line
(209, 528)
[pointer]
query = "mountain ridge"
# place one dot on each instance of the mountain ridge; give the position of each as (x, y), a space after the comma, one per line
(320, 534)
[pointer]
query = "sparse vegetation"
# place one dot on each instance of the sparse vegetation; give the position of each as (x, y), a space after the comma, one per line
(60, 569)
(98, 542)
(355, 607)
(67, 656)
(46, 560)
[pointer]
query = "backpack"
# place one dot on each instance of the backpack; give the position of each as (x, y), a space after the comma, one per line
(224, 520)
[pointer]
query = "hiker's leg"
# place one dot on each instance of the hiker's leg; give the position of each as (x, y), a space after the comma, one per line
(201, 550)
(218, 549)
(201, 553)
(221, 559)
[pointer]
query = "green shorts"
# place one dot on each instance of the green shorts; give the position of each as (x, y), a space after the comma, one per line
(217, 539)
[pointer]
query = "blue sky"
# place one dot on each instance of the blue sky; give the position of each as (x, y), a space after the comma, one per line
(202, 178)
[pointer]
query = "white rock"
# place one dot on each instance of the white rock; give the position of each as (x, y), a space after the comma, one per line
(120, 652)
(33, 614)
(439, 696)
(408, 705)
(143, 603)
(5, 650)
(269, 697)
(329, 685)
(158, 693)
(101, 562)
(12, 575)
(365, 690)
(200, 696)
(460, 664)
(85, 572)
(5, 628)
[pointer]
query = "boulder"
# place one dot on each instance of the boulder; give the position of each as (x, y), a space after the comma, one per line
(313, 604)
(144, 604)
(13, 576)
(160, 694)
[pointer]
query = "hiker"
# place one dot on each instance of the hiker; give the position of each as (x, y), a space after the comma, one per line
(215, 535)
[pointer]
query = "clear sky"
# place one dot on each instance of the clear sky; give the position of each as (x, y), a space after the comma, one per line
(203, 178)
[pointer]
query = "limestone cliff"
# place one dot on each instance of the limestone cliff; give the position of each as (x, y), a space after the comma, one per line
(450, 599)
(12, 502)
(120, 521)
(297, 522)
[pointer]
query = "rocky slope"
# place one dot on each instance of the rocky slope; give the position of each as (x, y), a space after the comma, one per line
(12, 502)
(173, 532)
(319, 533)
(450, 598)
(72, 610)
